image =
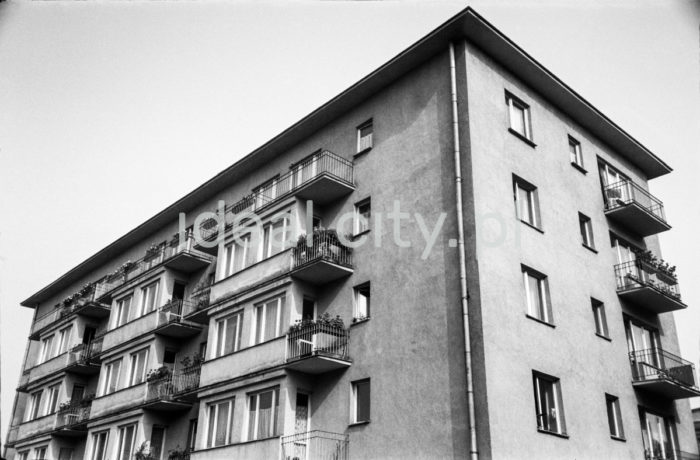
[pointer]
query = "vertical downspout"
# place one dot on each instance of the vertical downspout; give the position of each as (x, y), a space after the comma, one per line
(473, 451)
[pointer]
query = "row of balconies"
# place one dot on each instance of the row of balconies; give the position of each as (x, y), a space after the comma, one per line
(69, 421)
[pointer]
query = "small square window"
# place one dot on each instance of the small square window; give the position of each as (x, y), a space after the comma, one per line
(363, 212)
(548, 404)
(527, 207)
(614, 416)
(537, 295)
(601, 324)
(575, 154)
(586, 228)
(364, 136)
(362, 302)
(360, 401)
(519, 113)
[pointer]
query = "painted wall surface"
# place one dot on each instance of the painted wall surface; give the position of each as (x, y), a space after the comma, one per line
(515, 345)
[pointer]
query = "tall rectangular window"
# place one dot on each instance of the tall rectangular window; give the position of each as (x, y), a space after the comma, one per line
(66, 453)
(537, 295)
(659, 435)
(137, 367)
(275, 236)
(269, 319)
(360, 401)
(123, 311)
(363, 212)
(548, 403)
(127, 436)
(364, 136)
(265, 193)
(40, 453)
(220, 423)
(362, 296)
(53, 394)
(519, 114)
(575, 152)
(527, 206)
(47, 348)
(157, 441)
(34, 405)
(192, 434)
(99, 445)
(228, 334)
(149, 295)
(262, 414)
(614, 416)
(584, 223)
(237, 254)
(64, 340)
(23, 455)
(111, 380)
(601, 323)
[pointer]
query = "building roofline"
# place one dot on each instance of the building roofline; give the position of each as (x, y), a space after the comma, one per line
(467, 24)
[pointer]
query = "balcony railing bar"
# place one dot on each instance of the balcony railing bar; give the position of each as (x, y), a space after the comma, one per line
(72, 416)
(317, 340)
(325, 245)
(634, 274)
(625, 192)
(656, 364)
(315, 444)
(175, 384)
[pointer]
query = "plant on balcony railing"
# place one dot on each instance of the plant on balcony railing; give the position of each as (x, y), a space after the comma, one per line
(158, 374)
(658, 265)
(323, 320)
(324, 244)
(636, 273)
(196, 360)
(325, 336)
(178, 453)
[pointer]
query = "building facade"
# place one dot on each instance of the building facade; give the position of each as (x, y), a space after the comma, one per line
(323, 297)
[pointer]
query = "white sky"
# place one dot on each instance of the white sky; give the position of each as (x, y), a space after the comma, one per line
(112, 110)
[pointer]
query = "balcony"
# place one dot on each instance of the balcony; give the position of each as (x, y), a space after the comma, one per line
(633, 207)
(316, 348)
(173, 392)
(12, 435)
(322, 178)
(315, 445)
(72, 421)
(246, 361)
(322, 260)
(646, 286)
(84, 359)
(175, 255)
(196, 309)
(663, 373)
(82, 303)
(123, 399)
(171, 322)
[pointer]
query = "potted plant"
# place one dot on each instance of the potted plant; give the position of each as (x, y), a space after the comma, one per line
(178, 453)
(144, 452)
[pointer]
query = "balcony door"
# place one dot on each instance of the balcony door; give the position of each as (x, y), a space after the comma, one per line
(620, 189)
(643, 345)
(305, 170)
(301, 427)
(624, 251)
(659, 436)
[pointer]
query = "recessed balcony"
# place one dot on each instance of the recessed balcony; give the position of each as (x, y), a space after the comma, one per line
(184, 258)
(321, 258)
(72, 421)
(84, 359)
(635, 208)
(82, 303)
(173, 392)
(664, 374)
(648, 287)
(171, 322)
(316, 444)
(196, 309)
(316, 348)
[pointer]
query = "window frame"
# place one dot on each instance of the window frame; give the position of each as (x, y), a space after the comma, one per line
(119, 318)
(576, 153)
(615, 421)
(355, 402)
(40, 452)
(96, 442)
(47, 348)
(600, 319)
(254, 399)
(149, 294)
(357, 305)
(220, 350)
(513, 102)
(534, 217)
(586, 230)
(538, 379)
(64, 336)
(261, 323)
(34, 409)
(110, 375)
(360, 223)
(133, 364)
(544, 312)
(51, 403)
(367, 146)
(121, 433)
(212, 425)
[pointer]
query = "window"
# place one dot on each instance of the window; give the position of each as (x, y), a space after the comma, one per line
(127, 436)
(548, 404)
(586, 228)
(614, 417)
(262, 414)
(364, 136)
(122, 311)
(66, 453)
(191, 434)
(157, 441)
(149, 295)
(220, 419)
(53, 393)
(99, 445)
(624, 252)
(519, 114)
(537, 295)
(64, 340)
(265, 193)
(34, 405)
(228, 334)
(362, 296)
(275, 236)
(23, 455)
(269, 317)
(47, 348)
(360, 401)
(575, 153)
(237, 255)
(111, 377)
(659, 435)
(40, 453)
(363, 211)
(137, 369)
(601, 324)
(306, 169)
(527, 206)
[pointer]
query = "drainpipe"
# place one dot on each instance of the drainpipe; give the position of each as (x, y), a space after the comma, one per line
(473, 451)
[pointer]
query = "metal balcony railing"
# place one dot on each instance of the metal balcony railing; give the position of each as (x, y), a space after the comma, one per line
(668, 454)
(86, 353)
(626, 192)
(172, 385)
(72, 416)
(317, 339)
(315, 445)
(657, 364)
(324, 245)
(197, 301)
(637, 273)
(322, 163)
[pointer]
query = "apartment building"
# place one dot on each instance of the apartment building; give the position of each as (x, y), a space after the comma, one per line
(295, 306)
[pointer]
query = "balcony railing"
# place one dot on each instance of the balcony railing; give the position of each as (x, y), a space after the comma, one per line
(87, 353)
(302, 174)
(322, 259)
(317, 347)
(668, 454)
(649, 286)
(315, 445)
(664, 372)
(635, 207)
(168, 387)
(72, 416)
